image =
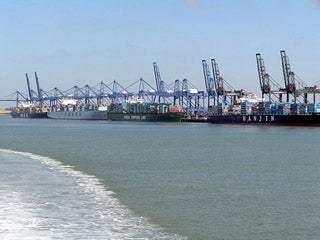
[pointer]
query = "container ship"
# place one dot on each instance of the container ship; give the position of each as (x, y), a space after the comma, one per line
(146, 112)
(267, 113)
(29, 111)
(70, 110)
(268, 119)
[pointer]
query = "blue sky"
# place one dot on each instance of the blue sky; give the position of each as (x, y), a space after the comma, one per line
(78, 42)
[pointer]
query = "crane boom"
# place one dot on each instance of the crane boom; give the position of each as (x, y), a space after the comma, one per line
(38, 88)
(29, 89)
(218, 79)
(209, 81)
(288, 75)
(157, 75)
(263, 76)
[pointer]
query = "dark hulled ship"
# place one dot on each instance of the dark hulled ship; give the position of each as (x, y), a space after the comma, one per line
(253, 111)
(268, 119)
(29, 112)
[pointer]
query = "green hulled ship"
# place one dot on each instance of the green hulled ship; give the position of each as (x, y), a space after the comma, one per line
(142, 111)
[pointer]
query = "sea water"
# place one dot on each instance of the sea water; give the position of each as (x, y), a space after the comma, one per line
(120, 180)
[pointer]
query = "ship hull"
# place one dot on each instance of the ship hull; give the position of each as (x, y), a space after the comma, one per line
(146, 117)
(78, 115)
(276, 119)
(29, 114)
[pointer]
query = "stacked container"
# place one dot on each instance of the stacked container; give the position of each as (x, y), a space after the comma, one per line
(254, 110)
(303, 109)
(274, 109)
(294, 108)
(267, 109)
(243, 109)
(261, 108)
(220, 108)
(280, 109)
(311, 108)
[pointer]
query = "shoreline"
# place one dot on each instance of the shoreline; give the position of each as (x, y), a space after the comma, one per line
(2, 112)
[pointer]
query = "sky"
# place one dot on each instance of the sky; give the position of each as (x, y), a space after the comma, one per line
(79, 42)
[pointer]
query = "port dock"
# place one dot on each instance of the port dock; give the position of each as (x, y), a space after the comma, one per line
(194, 120)
(219, 98)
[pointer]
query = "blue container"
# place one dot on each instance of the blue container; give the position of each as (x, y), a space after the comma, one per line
(255, 111)
(267, 105)
(303, 109)
(280, 110)
(287, 105)
(274, 109)
(267, 111)
(311, 108)
(243, 112)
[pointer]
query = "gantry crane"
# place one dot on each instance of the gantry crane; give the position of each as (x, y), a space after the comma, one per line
(266, 82)
(288, 76)
(159, 82)
(29, 88)
(177, 91)
(209, 81)
(295, 86)
(220, 84)
(40, 97)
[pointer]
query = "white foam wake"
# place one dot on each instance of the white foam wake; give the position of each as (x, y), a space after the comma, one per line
(54, 201)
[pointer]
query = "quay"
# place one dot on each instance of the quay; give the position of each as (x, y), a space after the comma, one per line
(3, 111)
(194, 120)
